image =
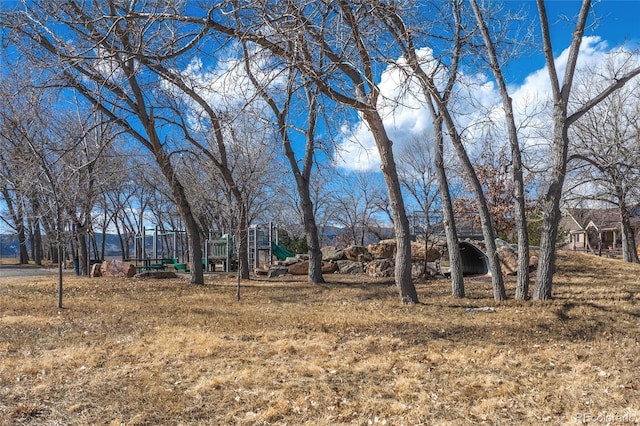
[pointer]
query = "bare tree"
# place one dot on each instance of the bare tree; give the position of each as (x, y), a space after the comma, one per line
(85, 137)
(33, 141)
(283, 121)
(355, 210)
(522, 286)
(337, 47)
(562, 120)
(604, 146)
(15, 124)
(427, 71)
(95, 54)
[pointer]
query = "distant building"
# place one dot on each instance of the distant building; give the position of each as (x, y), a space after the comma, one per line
(594, 230)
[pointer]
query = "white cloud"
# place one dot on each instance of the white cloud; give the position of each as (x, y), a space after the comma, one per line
(476, 102)
(224, 86)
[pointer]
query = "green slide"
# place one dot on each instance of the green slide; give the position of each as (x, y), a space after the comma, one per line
(280, 251)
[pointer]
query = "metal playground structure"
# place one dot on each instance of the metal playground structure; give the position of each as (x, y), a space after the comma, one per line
(158, 249)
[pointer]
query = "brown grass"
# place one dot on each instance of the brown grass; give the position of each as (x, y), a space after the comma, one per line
(166, 352)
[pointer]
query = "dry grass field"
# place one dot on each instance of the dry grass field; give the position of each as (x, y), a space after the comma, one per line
(131, 352)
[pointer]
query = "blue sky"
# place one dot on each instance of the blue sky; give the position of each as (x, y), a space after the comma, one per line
(618, 24)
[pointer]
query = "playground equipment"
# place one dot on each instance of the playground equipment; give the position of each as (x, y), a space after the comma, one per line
(164, 248)
(280, 252)
(264, 245)
(164, 244)
(259, 242)
(157, 248)
(220, 250)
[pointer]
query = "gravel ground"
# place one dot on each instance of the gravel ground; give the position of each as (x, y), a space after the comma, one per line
(24, 271)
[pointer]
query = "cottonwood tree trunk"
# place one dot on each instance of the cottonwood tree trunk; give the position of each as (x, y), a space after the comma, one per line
(311, 230)
(37, 242)
(123, 246)
(522, 286)
(22, 241)
(401, 226)
(303, 180)
(22, 237)
(81, 239)
(551, 208)
(15, 212)
(191, 225)
(448, 218)
(551, 203)
(629, 249)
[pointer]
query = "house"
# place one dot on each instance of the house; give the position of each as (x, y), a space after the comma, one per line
(594, 230)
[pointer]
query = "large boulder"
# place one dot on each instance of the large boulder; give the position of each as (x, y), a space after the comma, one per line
(357, 254)
(419, 251)
(508, 260)
(117, 268)
(332, 254)
(291, 260)
(302, 268)
(350, 267)
(381, 268)
(385, 249)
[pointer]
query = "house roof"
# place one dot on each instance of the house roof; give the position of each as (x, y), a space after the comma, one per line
(600, 219)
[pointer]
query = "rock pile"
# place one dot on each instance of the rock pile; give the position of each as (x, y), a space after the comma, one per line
(378, 260)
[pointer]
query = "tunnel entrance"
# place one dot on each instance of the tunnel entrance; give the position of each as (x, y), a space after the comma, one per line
(474, 260)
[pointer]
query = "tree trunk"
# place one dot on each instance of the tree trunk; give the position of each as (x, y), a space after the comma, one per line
(37, 243)
(17, 217)
(522, 286)
(551, 208)
(31, 238)
(311, 231)
(22, 240)
(448, 219)
(191, 225)
(103, 244)
(54, 252)
(629, 249)
(195, 249)
(401, 226)
(243, 243)
(560, 145)
(81, 238)
(124, 253)
(548, 236)
(499, 292)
